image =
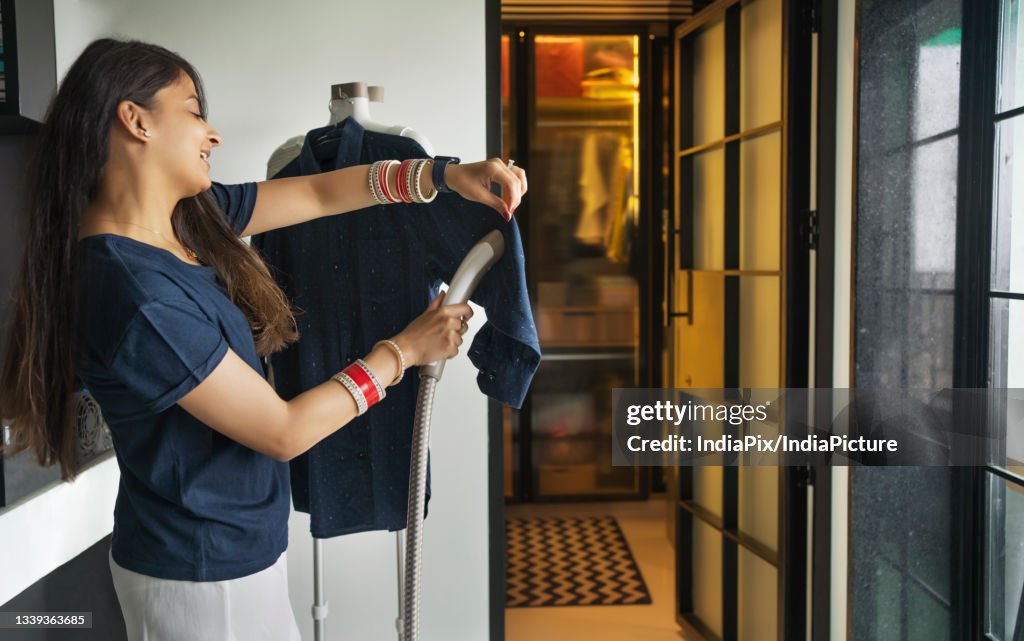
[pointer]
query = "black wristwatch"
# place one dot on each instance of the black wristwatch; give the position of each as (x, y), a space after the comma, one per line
(440, 164)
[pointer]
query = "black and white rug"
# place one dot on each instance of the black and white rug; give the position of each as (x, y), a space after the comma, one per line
(570, 561)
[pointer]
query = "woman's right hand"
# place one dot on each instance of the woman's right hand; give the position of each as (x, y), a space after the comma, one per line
(436, 333)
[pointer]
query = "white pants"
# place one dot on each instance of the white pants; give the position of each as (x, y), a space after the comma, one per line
(249, 608)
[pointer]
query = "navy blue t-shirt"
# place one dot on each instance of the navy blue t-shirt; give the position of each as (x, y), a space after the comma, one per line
(192, 503)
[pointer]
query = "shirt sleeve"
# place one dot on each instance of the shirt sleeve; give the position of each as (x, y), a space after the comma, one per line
(168, 348)
(236, 201)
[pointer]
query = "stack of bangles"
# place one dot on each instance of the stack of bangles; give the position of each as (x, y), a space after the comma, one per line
(408, 183)
(359, 380)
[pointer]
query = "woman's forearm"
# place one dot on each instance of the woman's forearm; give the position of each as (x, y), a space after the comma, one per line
(341, 190)
(322, 410)
(283, 202)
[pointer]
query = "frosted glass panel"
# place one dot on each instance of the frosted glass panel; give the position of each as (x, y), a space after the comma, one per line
(1008, 237)
(709, 209)
(709, 84)
(760, 63)
(759, 331)
(1006, 351)
(1011, 56)
(760, 201)
(707, 488)
(1005, 559)
(758, 598)
(759, 504)
(699, 342)
(707, 575)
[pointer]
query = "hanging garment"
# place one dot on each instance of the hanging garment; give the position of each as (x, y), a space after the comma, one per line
(361, 277)
(593, 192)
(620, 204)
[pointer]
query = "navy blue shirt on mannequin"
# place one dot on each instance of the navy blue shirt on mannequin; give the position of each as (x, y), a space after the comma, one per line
(361, 277)
(192, 504)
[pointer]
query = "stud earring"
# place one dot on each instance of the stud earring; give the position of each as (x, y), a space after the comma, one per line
(144, 132)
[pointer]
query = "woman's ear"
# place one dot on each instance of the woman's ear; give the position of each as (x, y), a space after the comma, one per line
(132, 117)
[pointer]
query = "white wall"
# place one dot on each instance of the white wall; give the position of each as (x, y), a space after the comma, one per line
(268, 67)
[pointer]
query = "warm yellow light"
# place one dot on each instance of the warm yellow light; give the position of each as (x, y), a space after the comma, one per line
(557, 39)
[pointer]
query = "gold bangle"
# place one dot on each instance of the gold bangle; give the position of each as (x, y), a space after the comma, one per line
(401, 358)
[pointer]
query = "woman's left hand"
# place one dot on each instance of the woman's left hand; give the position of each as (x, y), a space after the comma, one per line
(473, 181)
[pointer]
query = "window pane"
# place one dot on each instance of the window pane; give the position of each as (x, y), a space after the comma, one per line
(759, 504)
(760, 62)
(758, 598)
(709, 84)
(707, 575)
(905, 263)
(899, 554)
(708, 209)
(707, 488)
(760, 201)
(1011, 57)
(759, 331)
(1004, 572)
(1008, 227)
(700, 339)
(1006, 343)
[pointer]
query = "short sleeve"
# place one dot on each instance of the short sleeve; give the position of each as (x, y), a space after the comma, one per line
(236, 201)
(167, 350)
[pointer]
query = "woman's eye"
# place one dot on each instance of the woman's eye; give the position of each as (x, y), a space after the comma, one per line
(199, 116)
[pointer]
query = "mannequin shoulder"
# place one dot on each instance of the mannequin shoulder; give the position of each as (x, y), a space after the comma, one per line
(412, 134)
(284, 154)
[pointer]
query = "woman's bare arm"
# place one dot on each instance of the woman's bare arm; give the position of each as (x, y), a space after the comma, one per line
(289, 201)
(237, 402)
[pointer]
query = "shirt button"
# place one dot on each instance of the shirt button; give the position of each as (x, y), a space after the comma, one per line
(335, 268)
(361, 454)
(490, 375)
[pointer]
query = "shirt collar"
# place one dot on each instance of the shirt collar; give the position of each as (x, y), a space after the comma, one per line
(349, 147)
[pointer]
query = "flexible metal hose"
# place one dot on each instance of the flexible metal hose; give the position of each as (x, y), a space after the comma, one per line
(479, 259)
(417, 504)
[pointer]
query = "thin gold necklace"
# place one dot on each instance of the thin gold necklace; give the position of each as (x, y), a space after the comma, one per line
(188, 250)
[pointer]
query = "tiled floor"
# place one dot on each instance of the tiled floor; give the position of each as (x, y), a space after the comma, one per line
(643, 523)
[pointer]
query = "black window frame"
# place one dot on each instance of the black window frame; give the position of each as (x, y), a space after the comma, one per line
(973, 297)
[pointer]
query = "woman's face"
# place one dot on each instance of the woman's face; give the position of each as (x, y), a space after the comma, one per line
(181, 141)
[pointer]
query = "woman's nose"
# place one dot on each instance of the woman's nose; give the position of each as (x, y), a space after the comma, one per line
(214, 138)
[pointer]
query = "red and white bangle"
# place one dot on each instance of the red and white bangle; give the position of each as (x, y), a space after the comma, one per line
(379, 182)
(408, 182)
(417, 183)
(402, 181)
(364, 387)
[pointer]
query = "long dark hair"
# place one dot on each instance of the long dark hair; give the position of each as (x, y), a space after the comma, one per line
(38, 377)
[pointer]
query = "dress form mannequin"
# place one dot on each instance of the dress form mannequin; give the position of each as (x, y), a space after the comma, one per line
(350, 99)
(353, 99)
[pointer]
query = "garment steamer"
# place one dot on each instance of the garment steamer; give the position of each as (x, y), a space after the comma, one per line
(473, 267)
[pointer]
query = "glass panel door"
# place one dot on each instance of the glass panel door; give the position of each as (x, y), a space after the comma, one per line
(572, 108)
(584, 206)
(726, 306)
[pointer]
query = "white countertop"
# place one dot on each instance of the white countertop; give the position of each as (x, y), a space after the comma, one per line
(53, 525)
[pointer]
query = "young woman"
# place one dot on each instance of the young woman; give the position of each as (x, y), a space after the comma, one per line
(134, 277)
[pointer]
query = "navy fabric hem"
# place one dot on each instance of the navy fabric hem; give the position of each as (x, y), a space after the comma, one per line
(182, 572)
(193, 380)
(505, 367)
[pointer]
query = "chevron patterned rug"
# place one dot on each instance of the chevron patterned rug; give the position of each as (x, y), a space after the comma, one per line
(570, 561)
